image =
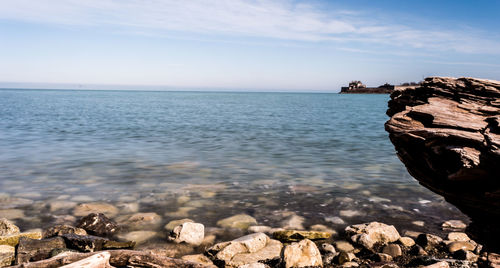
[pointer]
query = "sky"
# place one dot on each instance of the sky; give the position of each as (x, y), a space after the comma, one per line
(284, 45)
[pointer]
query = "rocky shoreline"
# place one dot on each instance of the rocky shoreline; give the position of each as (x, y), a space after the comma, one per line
(97, 241)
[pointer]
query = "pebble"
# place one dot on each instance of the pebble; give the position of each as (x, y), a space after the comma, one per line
(406, 241)
(454, 224)
(458, 236)
(393, 250)
(180, 213)
(458, 245)
(368, 234)
(144, 220)
(345, 257)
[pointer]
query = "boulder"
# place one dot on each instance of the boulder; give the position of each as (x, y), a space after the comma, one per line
(8, 228)
(188, 232)
(97, 224)
(447, 133)
(302, 254)
(59, 230)
(369, 234)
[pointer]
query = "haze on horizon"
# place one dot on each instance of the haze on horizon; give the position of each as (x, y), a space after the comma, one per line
(285, 45)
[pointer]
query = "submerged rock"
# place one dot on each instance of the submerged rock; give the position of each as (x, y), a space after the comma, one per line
(139, 237)
(8, 228)
(240, 221)
(172, 224)
(302, 254)
(88, 208)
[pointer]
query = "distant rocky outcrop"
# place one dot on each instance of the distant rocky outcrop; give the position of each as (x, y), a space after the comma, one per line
(447, 133)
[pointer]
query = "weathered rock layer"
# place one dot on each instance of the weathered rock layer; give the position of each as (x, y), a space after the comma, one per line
(447, 133)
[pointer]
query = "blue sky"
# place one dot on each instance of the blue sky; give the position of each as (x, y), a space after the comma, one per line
(244, 45)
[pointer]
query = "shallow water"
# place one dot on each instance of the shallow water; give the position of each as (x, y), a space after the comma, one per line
(207, 156)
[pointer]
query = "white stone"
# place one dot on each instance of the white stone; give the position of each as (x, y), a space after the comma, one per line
(368, 234)
(188, 232)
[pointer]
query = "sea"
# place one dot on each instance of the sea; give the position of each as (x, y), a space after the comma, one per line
(322, 158)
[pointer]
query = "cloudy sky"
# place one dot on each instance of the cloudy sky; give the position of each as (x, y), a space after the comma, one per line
(244, 45)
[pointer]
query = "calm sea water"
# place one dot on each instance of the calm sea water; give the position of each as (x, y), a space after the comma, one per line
(207, 156)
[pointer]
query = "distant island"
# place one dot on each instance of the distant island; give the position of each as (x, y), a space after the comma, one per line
(357, 87)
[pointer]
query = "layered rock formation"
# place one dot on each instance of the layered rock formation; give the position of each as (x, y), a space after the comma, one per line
(447, 133)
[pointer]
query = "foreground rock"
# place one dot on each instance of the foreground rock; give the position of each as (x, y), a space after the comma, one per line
(98, 224)
(256, 247)
(302, 254)
(188, 232)
(447, 133)
(8, 228)
(369, 234)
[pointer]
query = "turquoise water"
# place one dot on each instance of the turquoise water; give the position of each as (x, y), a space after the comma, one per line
(263, 154)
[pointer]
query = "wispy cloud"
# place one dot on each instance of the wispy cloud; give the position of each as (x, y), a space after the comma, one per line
(282, 19)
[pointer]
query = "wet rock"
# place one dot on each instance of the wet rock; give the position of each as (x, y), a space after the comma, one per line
(13, 240)
(84, 243)
(294, 235)
(350, 264)
(100, 260)
(429, 241)
(393, 250)
(61, 205)
(458, 236)
(345, 257)
(172, 224)
(88, 208)
(60, 230)
(418, 251)
(458, 245)
(465, 255)
(240, 221)
(138, 236)
(302, 254)
(368, 234)
(188, 232)
(454, 225)
(8, 228)
(259, 229)
(11, 214)
(199, 258)
(343, 246)
(97, 224)
(406, 241)
(7, 255)
(141, 221)
(293, 222)
(35, 250)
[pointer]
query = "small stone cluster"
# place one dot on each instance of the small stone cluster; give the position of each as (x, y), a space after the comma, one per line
(91, 244)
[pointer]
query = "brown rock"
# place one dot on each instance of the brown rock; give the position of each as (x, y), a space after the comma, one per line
(429, 241)
(7, 255)
(97, 224)
(35, 250)
(454, 246)
(447, 133)
(60, 230)
(393, 250)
